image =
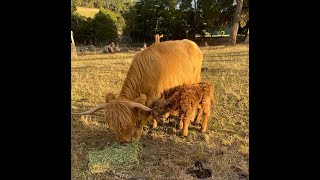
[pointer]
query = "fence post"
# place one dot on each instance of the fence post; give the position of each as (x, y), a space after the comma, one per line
(157, 38)
(73, 48)
(72, 41)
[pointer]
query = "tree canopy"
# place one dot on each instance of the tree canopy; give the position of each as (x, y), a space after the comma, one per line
(140, 20)
(180, 18)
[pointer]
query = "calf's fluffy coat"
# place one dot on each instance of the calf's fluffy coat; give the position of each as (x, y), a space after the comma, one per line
(183, 101)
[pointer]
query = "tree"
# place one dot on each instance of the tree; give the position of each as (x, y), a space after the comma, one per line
(100, 29)
(176, 19)
(244, 21)
(74, 4)
(191, 12)
(105, 26)
(235, 24)
(90, 3)
(76, 22)
(99, 3)
(149, 17)
(85, 31)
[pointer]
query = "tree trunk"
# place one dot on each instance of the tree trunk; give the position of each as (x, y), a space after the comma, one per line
(235, 24)
(246, 40)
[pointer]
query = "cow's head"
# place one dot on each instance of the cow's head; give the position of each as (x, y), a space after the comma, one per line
(121, 114)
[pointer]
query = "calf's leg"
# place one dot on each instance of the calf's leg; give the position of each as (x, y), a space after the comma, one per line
(204, 125)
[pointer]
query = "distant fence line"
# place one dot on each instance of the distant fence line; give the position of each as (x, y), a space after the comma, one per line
(201, 41)
(123, 46)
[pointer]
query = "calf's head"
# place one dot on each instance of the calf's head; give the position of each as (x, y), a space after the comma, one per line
(160, 107)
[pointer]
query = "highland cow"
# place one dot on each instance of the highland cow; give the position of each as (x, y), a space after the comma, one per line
(159, 67)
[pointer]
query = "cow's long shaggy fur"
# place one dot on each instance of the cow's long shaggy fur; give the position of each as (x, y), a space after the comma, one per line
(162, 66)
(158, 68)
(183, 101)
(126, 114)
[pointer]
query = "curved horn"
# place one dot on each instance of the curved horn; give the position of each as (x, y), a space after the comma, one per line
(138, 105)
(97, 108)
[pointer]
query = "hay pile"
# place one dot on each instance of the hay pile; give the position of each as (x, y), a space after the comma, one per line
(115, 157)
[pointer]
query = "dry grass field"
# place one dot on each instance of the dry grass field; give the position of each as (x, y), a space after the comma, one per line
(224, 148)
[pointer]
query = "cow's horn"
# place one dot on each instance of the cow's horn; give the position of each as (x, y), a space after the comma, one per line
(97, 108)
(138, 105)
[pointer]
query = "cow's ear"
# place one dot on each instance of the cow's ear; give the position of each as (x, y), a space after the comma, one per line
(109, 97)
(142, 99)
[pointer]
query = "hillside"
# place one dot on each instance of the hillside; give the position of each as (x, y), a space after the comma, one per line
(87, 12)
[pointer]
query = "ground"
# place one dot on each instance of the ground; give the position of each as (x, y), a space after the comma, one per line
(224, 148)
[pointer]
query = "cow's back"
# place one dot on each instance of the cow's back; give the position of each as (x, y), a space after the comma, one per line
(161, 67)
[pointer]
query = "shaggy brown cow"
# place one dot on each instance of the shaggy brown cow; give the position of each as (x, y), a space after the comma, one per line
(158, 68)
(182, 101)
